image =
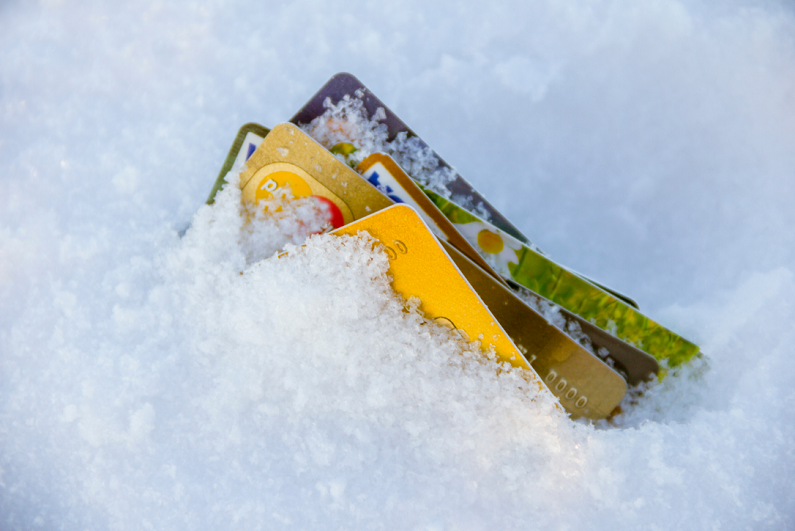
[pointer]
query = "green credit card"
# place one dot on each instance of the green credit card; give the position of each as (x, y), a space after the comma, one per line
(248, 139)
(518, 262)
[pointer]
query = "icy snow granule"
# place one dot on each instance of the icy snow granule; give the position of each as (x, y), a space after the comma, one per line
(347, 121)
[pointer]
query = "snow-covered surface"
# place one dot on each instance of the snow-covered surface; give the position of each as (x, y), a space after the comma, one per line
(146, 383)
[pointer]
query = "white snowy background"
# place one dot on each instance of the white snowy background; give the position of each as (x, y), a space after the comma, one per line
(144, 384)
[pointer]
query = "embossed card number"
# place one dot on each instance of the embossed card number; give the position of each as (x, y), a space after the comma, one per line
(585, 386)
(399, 245)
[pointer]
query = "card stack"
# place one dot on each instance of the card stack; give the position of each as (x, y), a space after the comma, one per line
(472, 270)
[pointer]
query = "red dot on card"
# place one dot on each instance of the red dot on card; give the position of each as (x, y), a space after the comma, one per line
(332, 211)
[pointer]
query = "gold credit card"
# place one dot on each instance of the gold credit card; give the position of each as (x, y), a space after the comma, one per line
(637, 366)
(421, 268)
(381, 170)
(506, 249)
(584, 384)
(288, 157)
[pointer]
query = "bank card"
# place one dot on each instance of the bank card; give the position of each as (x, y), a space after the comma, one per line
(383, 172)
(527, 267)
(421, 268)
(636, 366)
(288, 157)
(343, 84)
(247, 140)
(584, 384)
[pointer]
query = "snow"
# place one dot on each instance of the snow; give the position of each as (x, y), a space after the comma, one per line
(146, 384)
(347, 121)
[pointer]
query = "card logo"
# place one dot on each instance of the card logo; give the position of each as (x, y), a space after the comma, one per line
(280, 176)
(374, 178)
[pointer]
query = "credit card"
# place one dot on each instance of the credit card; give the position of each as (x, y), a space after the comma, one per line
(247, 140)
(343, 84)
(288, 157)
(421, 268)
(527, 267)
(383, 172)
(635, 365)
(586, 301)
(584, 384)
(579, 399)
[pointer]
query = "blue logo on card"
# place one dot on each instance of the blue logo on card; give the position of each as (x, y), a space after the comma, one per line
(374, 180)
(251, 149)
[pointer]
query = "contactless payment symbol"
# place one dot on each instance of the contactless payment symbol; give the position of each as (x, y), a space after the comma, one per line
(282, 176)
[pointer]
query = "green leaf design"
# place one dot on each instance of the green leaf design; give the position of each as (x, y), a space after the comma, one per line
(552, 281)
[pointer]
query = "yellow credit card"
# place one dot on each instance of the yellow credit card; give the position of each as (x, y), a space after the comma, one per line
(381, 170)
(287, 157)
(584, 384)
(421, 268)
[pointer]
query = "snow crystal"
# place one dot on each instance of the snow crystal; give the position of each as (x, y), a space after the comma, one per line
(348, 121)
